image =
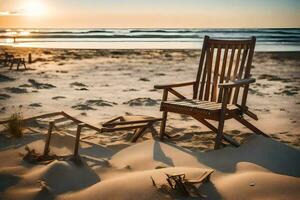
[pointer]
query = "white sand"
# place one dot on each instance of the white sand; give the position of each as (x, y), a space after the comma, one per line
(260, 169)
(113, 168)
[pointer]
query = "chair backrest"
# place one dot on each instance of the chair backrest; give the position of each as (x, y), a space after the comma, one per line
(222, 61)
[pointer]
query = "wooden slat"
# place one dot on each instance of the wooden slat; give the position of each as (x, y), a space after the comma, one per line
(81, 122)
(213, 128)
(177, 94)
(209, 70)
(216, 74)
(249, 125)
(237, 63)
(140, 132)
(203, 105)
(112, 120)
(201, 66)
(203, 79)
(118, 128)
(247, 71)
(224, 64)
(223, 43)
(131, 122)
(240, 73)
(35, 117)
(236, 67)
(228, 76)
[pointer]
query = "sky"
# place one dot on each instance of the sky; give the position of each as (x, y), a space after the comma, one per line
(149, 13)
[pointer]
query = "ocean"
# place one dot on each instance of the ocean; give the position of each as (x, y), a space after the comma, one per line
(268, 39)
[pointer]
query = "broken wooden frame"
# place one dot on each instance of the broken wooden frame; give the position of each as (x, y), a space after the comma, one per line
(115, 124)
(179, 182)
(139, 126)
(18, 62)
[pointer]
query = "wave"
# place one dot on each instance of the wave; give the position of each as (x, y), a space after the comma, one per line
(275, 31)
(274, 36)
(69, 32)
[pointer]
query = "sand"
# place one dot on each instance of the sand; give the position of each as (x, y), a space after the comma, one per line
(96, 85)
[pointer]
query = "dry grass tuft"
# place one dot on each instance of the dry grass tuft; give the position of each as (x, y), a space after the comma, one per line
(15, 125)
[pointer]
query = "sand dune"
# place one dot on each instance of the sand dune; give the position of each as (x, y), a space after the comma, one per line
(260, 169)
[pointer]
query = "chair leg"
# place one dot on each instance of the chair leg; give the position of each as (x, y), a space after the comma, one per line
(218, 139)
(163, 125)
(250, 126)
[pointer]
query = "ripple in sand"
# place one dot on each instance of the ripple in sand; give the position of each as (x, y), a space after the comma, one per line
(35, 105)
(83, 107)
(130, 90)
(288, 90)
(62, 71)
(4, 78)
(39, 85)
(58, 97)
(25, 85)
(82, 89)
(16, 90)
(100, 102)
(78, 84)
(88, 105)
(256, 92)
(141, 102)
(144, 79)
(4, 96)
(160, 74)
(273, 78)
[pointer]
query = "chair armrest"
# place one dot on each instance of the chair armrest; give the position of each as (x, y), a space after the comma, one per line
(174, 85)
(237, 83)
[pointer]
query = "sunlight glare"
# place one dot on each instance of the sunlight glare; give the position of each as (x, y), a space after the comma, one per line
(34, 8)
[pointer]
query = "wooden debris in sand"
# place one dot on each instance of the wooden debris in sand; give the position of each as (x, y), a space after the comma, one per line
(137, 123)
(47, 143)
(36, 158)
(186, 187)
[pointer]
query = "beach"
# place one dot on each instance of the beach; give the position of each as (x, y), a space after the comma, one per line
(95, 85)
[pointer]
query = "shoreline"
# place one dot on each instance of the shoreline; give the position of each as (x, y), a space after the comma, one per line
(9, 47)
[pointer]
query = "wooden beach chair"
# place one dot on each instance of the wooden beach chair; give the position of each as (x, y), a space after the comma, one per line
(6, 59)
(18, 62)
(220, 90)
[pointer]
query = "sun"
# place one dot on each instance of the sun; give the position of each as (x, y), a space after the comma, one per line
(34, 8)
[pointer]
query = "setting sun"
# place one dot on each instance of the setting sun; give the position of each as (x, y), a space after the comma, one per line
(34, 8)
